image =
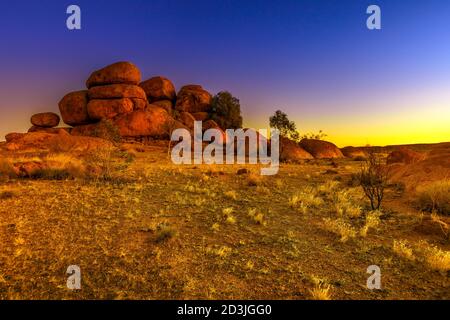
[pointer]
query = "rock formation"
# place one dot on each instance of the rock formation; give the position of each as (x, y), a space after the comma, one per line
(320, 149)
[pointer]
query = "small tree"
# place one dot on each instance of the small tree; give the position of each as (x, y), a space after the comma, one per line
(226, 111)
(373, 178)
(286, 127)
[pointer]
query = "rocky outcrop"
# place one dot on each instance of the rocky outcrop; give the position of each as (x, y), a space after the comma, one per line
(99, 109)
(116, 91)
(193, 98)
(120, 72)
(354, 152)
(154, 122)
(404, 155)
(290, 151)
(73, 108)
(187, 119)
(45, 120)
(320, 149)
(159, 88)
(48, 142)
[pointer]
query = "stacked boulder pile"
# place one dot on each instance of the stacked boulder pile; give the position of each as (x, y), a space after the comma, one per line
(140, 111)
(116, 99)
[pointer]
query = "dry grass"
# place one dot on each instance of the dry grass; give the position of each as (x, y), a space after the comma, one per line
(402, 249)
(201, 232)
(435, 196)
(372, 222)
(341, 228)
(305, 200)
(437, 259)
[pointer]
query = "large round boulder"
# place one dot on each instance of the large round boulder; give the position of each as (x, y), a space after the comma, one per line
(404, 155)
(116, 91)
(108, 108)
(354, 152)
(193, 98)
(73, 108)
(320, 149)
(290, 151)
(120, 72)
(153, 122)
(159, 88)
(45, 119)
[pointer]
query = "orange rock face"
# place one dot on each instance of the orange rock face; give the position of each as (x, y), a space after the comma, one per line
(290, 151)
(48, 130)
(46, 120)
(154, 122)
(354, 152)
(159, 88)
(116, 91)
(165, 104)
(404, 155)
(73, 108)
(201, 116)
(61, 142)
(320, 149)
(120, 72)
(187, 119)
(139, 104)
(108, 108)
(193, 98)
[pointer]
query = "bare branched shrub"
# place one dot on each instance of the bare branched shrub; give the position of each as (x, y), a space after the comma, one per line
(373, 178)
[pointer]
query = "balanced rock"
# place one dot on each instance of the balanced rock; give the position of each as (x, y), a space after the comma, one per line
(320, 149)
(116, 91)
(99, 109)
(73, 108)
(159, 88)
(46, 120)
(290, 151)
(120, 72)
(193, 98)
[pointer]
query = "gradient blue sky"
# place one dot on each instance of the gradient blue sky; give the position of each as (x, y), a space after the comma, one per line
(316, 60)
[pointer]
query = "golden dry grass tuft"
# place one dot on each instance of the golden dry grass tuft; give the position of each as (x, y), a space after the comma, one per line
(435, 196)
(403, 249)
(340, 227)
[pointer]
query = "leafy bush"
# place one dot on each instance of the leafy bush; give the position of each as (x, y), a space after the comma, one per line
(286, 127)
(226, 111)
